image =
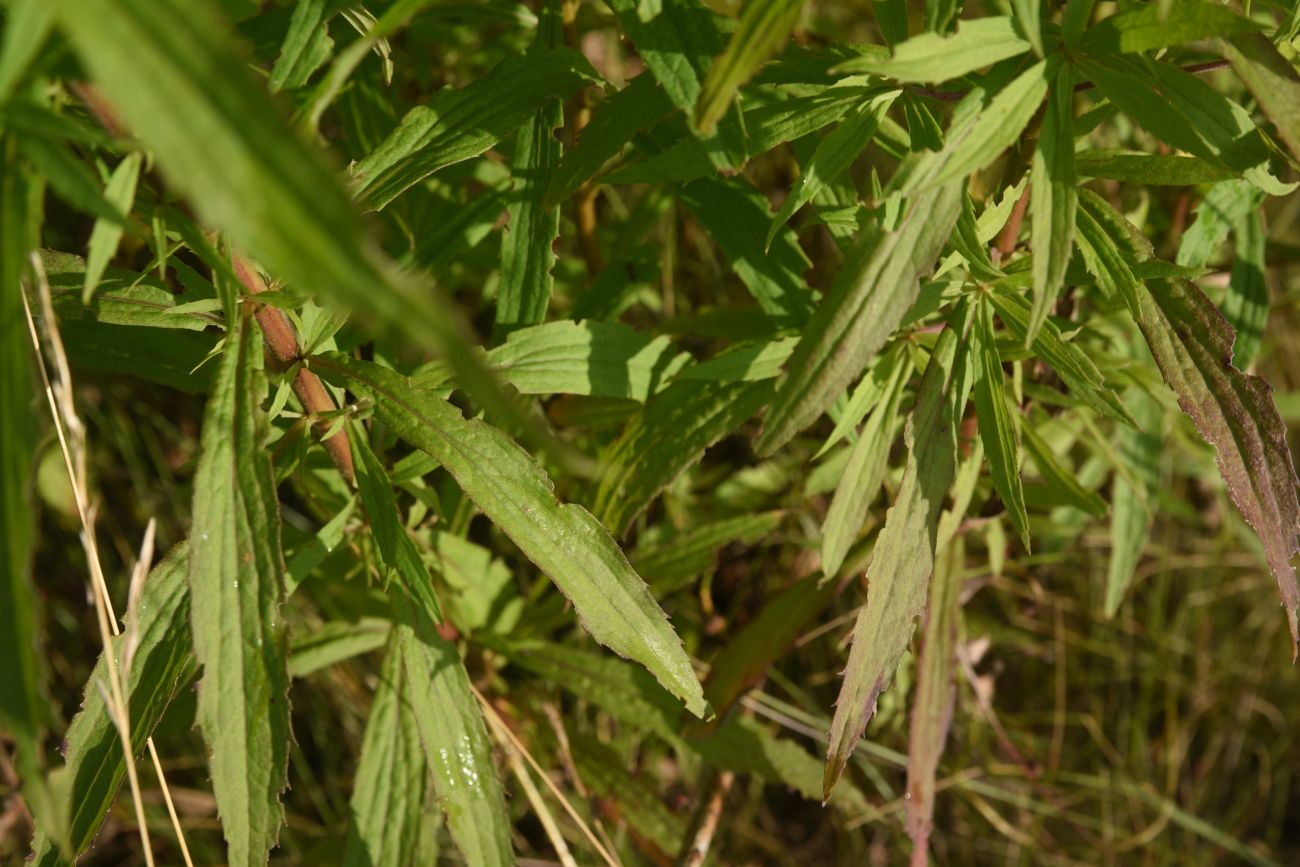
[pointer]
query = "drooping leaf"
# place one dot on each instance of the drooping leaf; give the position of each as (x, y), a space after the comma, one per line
(451, 729)
(387, 807)
(105, 236)
(1271, 79)
(565, 541)
(997, 432)
(1063, 483)
(598, 358)
(458, 124)
(903, 561)
(527, 253)
(978, 43)
(1053, 199)
(670, 433)
(764, 27)
(868, 299)
(1192, 343)
(1149, 27)
(936, 693)
(865, 470)
(161, 664)
(735, 216)
(832, 158)
(236, 576)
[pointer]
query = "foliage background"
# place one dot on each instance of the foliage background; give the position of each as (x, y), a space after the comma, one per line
(1160, 735)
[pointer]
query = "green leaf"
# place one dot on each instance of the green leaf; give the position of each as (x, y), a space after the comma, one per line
(670, 563)
(891, 18)
(1053, 200)
(69, 177)
(638, 106)
(1246, 304)
(678, 40)
(1225, 205)
(746, 363)
(1061, 481)
(1191, 343)
(565, 541)
(23, 706)
(105, 236)
(764, 28)
(396, 549)
(27, 26)
(1029, 14)
(978, 43)
(1150, 27)
(161, 664)
(236, 575)
(903, 560)
(974, 144)
(1071, 363)
(997, 431)
(458, 124)
(865, 471)
(456, 745)
(734, 214)
(1272, 80)
(527, 251)
(307, 44)
(607, 359)
(832, 158)
(871, 293)
(669, 434)
(1172, 170)
(936, 693)
(334, 641)
(387, 807)
(604, 771)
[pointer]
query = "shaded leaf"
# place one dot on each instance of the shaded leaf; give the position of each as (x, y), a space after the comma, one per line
(764, 27)
(1061, 481)
(105, 236)
(1174, 170)
(669, 563)
(1130, 495)
(1149, 27)
(1246, 304)
(1053, 199)
(1271, 79)
(334, 641)
(997, 431)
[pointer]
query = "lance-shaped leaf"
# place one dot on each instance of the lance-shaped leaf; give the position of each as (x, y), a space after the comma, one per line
(832, 158)
(1130, 493)
(669, 434)
(872, 292)
(236, 587)
(903, 560)
(458, 124)
(608, 359)
(105, 236)
(764, 28)
(161, 663)
(865, 471)
(1271, 79)
(997, 431)
(936, 692)
(306, 45)
(387, 807)
(669, 563)
(565, 541)
(527, 254)
(455, 740)
(1053, 199)
(1173, 170)
(978, 43)
(1192, 344)
(1154, 26)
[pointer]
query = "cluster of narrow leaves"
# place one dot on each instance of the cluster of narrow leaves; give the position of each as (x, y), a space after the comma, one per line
(961, 300)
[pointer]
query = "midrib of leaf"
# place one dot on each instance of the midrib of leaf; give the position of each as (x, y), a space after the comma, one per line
(236, 584)
(544, 530)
